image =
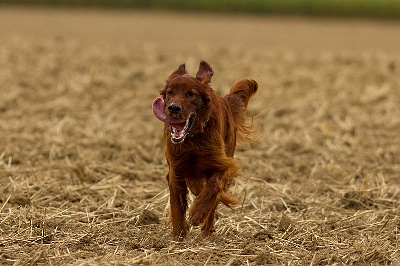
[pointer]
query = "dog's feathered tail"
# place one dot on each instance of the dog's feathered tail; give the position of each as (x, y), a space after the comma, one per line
(238, 98)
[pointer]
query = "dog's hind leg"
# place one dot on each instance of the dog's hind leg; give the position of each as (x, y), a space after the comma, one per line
(208, 225)
(203, 209)
(205, 202)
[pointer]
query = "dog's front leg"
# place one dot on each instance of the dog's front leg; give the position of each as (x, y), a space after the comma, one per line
(203, 209)
(178, 201)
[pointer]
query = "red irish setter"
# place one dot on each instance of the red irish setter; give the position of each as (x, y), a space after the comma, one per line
(200, 135)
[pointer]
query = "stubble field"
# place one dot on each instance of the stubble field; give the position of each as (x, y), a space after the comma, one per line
(82, 169)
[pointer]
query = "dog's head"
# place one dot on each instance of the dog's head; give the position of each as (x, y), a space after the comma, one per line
(184, 102)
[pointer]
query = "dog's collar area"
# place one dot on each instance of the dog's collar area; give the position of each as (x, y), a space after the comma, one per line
(204, 124)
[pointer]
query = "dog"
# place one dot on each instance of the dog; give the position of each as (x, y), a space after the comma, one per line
(200, 134)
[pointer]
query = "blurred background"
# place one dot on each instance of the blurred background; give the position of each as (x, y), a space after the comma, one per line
(358, 8)
(305, 25)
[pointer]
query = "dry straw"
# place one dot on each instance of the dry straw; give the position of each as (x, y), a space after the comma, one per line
(83, 173)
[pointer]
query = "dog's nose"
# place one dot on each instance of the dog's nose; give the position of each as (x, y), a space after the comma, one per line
(174, 108)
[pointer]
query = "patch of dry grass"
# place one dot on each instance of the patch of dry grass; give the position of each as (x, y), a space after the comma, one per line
(82, 166)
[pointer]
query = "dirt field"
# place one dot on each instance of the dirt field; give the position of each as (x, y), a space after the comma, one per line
(81, 154)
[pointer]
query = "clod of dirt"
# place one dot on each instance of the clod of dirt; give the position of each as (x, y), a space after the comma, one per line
(234, 262)
(249, 250)
(263, 234)
(285, 223)
(265, 258)
(21, 200)
(357, 200)
(132, 244)
(147, 217)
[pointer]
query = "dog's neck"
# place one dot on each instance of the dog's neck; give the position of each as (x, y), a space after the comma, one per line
(203, 125)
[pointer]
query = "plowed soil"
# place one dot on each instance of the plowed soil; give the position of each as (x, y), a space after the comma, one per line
(82, 169)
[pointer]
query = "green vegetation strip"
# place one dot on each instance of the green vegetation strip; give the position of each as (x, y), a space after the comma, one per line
(347, 8)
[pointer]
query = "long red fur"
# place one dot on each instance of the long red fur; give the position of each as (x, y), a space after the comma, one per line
(203, 163)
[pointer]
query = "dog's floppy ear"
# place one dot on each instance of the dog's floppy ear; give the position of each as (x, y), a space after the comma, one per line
(178, 72)
(205, 72)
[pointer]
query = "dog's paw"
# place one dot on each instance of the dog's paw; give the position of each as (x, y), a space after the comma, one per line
(206, 233)
(197, 215)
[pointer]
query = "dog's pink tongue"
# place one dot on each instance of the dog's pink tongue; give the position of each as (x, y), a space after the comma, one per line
(178, 126)
(158, 109)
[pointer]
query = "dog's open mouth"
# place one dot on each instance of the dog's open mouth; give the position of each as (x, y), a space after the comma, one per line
(179, 128)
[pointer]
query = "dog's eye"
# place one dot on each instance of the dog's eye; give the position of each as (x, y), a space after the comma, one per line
(190, 94)
(169, 92)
